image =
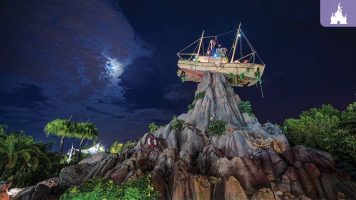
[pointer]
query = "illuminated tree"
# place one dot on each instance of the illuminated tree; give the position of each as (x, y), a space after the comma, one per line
(62, 128)
(82, 131)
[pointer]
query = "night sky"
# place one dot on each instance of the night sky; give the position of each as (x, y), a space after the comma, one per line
(114, 62)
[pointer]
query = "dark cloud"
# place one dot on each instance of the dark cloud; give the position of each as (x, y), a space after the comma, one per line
(65, 59)
(23, 95)
(116, 65)
(178, 93)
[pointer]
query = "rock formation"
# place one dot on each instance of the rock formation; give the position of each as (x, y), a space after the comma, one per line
(249, 161)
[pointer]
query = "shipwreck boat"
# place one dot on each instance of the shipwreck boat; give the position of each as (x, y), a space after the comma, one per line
(239, 69)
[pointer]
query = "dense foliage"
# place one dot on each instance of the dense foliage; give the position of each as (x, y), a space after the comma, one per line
(235, 78)
(118, 147)
(61, 128)
(245, 106)
(140, 189)
(217, 127)
(64, 128)
(82, 131)
(327, 129)
(152, 127)
(349, 118)
(26, 162)
(177, 124)
(23, 160)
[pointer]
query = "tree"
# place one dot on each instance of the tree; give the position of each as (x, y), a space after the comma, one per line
(324, 128)
(82, 131)
(62, 128)
(19, 152)
(348, 118)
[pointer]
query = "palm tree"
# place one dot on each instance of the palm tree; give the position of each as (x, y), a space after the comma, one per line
(82, 131)
(18, 151)
(62, 128)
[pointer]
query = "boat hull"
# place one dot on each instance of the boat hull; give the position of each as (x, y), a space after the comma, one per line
(240, 74)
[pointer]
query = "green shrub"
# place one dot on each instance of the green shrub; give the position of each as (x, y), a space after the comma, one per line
(233, 79)
(324, 128)
(153, 127)
(217, 127)
(191, 106)
(23, 160)
(118, 147)
(97, 189)
(245, 106)
(348, 118)
(177, 124)
(200, 95)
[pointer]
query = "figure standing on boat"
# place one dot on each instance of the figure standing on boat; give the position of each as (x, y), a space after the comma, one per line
(212, 46)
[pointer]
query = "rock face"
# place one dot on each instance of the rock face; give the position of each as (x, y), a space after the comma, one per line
(249, 161)
(47, 189)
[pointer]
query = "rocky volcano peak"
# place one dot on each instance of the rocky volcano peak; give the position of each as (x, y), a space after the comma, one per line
(243, 136)
(188, 160)
(218, 102)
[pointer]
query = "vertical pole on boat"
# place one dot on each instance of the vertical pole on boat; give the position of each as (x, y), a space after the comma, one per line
(235, 43)
(201, 40)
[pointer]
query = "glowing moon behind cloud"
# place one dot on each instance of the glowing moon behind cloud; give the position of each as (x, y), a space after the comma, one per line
(72, 54)
(114, 69)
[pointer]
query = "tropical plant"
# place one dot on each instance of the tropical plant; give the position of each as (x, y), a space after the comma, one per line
(217, 127)
(348, 118)
(152, 127)
(324, 128)
(19, 155)
(82, 131)
(177, 124)
(97, 189)
(118, 147)
(233, 78)
(245, 106)
(62, 128)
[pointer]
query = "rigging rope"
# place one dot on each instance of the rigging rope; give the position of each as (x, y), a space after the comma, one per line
(253, 50)
(189, 45)
(241, 53)
(207, 37)
(211, 36)
(261, 89)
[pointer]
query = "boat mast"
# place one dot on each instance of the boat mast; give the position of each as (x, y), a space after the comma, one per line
(235, 43)
(201, 40)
